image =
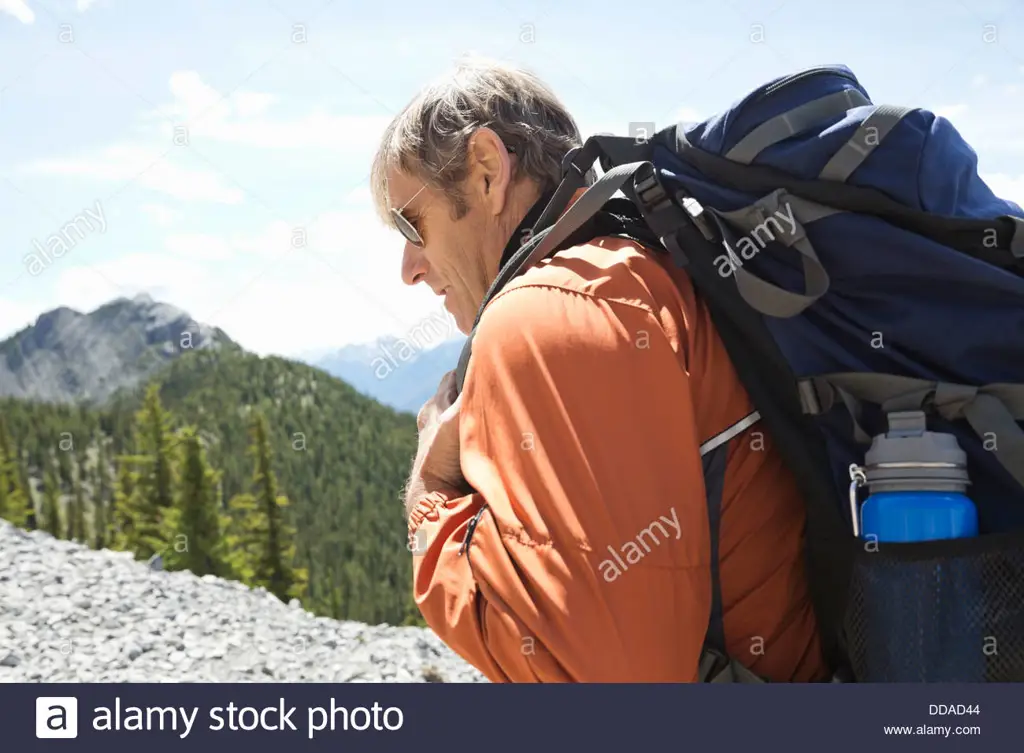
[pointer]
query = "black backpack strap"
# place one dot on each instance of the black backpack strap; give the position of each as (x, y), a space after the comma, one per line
(715, 664)
(579, 224)
(771, 384)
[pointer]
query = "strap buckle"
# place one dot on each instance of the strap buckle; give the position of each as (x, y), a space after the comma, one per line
(813, 402)
(717, 668)
(650, 193)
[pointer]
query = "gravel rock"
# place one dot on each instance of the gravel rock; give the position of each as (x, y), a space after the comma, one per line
(72, 614)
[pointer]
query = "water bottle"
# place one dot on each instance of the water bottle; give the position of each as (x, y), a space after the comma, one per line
(922, 616)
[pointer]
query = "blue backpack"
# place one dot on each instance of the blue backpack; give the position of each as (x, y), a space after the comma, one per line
(855, 265)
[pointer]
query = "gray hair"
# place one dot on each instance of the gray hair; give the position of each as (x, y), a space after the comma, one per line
(429, 138)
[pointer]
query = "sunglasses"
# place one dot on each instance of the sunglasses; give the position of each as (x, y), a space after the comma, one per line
(407, 228)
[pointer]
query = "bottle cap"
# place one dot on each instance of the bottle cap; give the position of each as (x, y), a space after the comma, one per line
(910, 458)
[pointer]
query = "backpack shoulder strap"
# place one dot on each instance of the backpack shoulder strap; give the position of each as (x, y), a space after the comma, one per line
(575, 226)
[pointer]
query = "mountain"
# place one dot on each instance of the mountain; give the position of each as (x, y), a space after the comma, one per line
(340, 458)
(69, 356)
(393, 370)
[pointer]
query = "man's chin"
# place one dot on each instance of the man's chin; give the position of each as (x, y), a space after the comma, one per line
(462, 324)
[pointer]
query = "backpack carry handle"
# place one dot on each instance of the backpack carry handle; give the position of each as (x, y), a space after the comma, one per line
(758, 221)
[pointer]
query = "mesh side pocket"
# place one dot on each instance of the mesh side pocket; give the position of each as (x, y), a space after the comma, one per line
(939, 611)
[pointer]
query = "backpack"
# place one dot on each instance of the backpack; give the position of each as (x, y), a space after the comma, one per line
(855, 266)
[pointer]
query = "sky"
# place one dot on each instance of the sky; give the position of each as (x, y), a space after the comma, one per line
(215, 154)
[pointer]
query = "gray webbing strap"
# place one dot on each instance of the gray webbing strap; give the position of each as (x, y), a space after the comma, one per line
(871, 132)
(794, 121)
(715, 667)
(992, 411)
(774, 212)
(589, 204)
(1017, 242)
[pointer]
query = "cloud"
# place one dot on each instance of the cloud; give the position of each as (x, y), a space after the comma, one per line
(199, 247)
(689, 115)
(276, 288)
(241, 119)
(271, 242)
(83, 5)
(19, 9)
(144, 167)
(950, 111)
(161, 215)
(15, 316)
(86, 287)
(298, 301)
(1006, 186)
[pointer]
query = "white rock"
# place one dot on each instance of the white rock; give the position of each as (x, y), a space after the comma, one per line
(71, 614)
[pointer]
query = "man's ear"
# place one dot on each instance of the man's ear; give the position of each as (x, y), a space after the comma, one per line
(491, 169)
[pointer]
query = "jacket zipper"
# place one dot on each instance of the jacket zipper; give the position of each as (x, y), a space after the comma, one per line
(470, 529)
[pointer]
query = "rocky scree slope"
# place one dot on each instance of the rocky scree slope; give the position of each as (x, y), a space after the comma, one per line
(73, 614)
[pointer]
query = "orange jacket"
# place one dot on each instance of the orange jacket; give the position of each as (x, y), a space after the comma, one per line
(595, 378)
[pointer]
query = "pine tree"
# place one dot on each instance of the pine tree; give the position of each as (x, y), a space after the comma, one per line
(261, 541)
(121, 519)
(51, 499)
(101, 499)
(13, 501)
(153, 430)
(242, 538)
(194, 523)
(100, 524)
(5, 511)
(64, 477)
(6, 506)
(137, 521)
(147, 481)
(76, 510)
(31, 522)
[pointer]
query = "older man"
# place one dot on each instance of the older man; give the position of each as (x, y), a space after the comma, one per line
(558, 506)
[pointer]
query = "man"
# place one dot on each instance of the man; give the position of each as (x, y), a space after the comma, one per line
(558, 506)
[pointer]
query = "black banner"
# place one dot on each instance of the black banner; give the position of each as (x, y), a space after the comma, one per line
(521, 718)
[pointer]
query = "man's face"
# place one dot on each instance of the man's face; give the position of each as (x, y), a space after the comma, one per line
(459, 258)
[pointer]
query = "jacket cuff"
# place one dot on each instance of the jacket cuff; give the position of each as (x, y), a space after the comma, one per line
(426, 509)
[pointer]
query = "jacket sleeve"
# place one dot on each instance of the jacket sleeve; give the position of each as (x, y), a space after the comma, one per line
(588, 560)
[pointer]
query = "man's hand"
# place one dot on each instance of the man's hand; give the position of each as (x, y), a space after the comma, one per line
(437, 464)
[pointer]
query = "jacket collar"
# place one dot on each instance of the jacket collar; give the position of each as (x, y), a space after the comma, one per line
(520, 235)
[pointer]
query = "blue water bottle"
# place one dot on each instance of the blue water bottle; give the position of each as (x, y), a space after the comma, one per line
(921, 624)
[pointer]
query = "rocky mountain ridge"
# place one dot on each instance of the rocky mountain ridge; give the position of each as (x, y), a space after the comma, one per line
(68, 356)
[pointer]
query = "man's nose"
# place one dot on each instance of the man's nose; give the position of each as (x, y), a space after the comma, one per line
(414, 264)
